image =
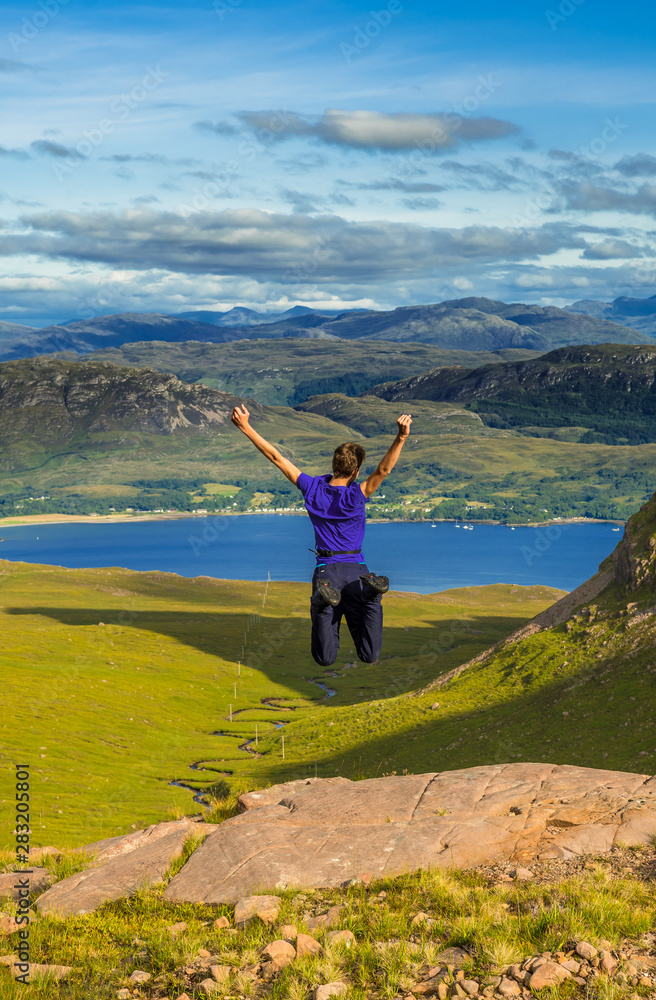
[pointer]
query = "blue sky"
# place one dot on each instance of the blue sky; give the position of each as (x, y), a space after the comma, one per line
(236, 152)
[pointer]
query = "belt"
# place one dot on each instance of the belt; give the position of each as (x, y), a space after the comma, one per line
(327, 552)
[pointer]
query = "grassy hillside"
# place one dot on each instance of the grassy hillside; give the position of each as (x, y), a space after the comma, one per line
(286, 372)
(130, 679)
(604, 394)
(121, 680)
(371, 416)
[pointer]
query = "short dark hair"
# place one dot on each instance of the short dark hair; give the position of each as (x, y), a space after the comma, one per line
(347, 458)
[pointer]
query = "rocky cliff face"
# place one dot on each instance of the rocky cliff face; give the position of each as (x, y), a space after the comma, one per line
(634, 559)
(58, 401)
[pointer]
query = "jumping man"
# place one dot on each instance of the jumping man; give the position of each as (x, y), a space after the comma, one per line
(341, 584)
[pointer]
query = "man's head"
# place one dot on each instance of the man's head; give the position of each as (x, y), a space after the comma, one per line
(347, 460)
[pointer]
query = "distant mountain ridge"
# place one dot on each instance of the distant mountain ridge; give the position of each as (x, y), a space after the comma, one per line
(84, 336)
(609, 389)
(639, 314)
(242, 316)
(470, 324)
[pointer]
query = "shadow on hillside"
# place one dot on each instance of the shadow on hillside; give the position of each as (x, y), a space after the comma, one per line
(546, 723)
(280, 646)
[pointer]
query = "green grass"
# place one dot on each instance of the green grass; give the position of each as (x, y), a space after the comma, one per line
(115, 682)
(498, 924)
(121, 681)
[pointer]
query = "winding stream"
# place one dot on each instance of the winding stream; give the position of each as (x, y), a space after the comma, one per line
(247, 745)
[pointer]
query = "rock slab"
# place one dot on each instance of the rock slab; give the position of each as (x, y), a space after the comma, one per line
(323, 832)
(118, 877)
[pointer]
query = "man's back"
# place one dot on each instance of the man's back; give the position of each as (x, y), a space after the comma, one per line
(337, 514)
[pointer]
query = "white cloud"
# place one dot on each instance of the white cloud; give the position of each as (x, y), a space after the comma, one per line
(375, 130)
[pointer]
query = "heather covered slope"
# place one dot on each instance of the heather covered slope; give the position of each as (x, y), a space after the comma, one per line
(608, 392)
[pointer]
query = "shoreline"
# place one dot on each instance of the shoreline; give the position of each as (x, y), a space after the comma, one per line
(37, 519)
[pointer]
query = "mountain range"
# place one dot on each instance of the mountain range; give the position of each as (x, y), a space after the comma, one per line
(241, 316)
(470, 324)
(639, 314)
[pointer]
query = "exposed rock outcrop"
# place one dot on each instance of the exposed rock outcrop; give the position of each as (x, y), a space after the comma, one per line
(327, 832)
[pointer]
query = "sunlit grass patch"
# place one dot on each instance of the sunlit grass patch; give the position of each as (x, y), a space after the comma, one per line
(497, 924)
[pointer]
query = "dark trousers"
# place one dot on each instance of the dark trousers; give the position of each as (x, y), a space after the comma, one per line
(364, 615)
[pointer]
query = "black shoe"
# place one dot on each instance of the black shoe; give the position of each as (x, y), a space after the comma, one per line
(325, 593)
(375, 584)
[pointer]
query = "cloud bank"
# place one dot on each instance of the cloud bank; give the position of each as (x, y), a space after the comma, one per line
(275, 246)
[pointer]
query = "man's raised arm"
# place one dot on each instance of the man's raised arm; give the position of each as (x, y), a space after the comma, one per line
(371, 484)
(240, 418)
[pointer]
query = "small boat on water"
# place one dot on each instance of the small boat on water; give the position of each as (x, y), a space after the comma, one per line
(457, 525)
(612, 529)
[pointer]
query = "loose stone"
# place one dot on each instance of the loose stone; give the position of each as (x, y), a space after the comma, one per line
(306, 945)
(330, 990)
(586, 950)
(548, 974)
(138, 976)
(266, 908)
(347, 938)
(220, 973)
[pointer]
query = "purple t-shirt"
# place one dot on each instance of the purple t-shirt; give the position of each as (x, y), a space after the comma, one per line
(337, 514)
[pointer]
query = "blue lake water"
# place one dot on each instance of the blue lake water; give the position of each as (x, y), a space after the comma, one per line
(415, 556)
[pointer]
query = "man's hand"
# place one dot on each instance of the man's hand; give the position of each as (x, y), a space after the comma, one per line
(240, 417)
(403, 424)
(385, 466)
